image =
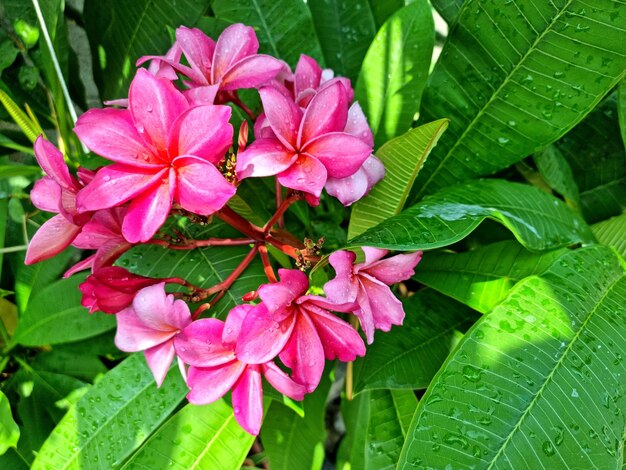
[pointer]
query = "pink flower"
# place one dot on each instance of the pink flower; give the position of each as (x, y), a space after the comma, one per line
(230, 64)
(208, 346)
(368, 284)
(164, 151)
(299, 328)
(111, 289)
(102, 233)
(56, 193)
(151, 324)
(308, 147)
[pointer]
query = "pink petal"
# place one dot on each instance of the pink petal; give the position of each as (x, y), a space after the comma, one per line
(307, 174)
(283, 115)
(159, 310)
(386, 309)
(211, 383)
(340, 339)
(262, 129)
(250, 72)
(395, 269)
(114, 185)
(349, 189)
(357, 125)
(202, 95)
(262, 338)
(202, 131)
(371, 256)
(154, 104)
(162, 69)
(342, 154)
(327, 112)
(148, 212)
(51, 161)
(308, 74)
(54, 236)
(46, 194)
(248, 400)
(87, 263)
(198, 49)
(344, 287)
(304, 354)
(277, 296)
(365, 315)
(264, 157)
(232, 325)
(200, 344)
(322, 302)
(282, 382)
(94, 234)
(159, 359)
(236, 42)
(201, 188)
(174, 66)
(133, 335)
(111, 133)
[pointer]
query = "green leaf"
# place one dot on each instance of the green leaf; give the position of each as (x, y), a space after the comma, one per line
(537, 382)
(539, 221)
(26, 124)
(204, 267)
(514, 77)
(596, 155)
(55, 316)
(621, 109)
(408, 356)
(383, 10)
(558, 174)
(196, 437)
(65, 361)
(395, 70)
(284, 27)
(345, 29)
(292, 441)
(612, 233)
(376, 425)
(121, 32)
(9, 432)
(482, 278)
(403, 158)
(448, 9)
(112, 419)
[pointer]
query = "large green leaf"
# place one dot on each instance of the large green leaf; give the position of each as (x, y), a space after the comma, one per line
(345, 29)
(112, 419)
(376, 425)
(621, 109)
(612, 232)
(55, 316)
(203, 267)
(538, 220)
(536, 383)
(197, 437)
(410, 355)
(284, 27)
(596, 155)
(558, 174)
(121, 32)
(514, 77)
(293, 441)
(482, 278)
(383, 10)
(9, 432)
(395, 69)
(403, 158)
(448, 9)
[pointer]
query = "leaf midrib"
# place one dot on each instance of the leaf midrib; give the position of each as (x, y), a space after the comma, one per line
(496, 92)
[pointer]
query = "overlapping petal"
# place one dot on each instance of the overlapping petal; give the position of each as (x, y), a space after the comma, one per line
(201, 187)
(265, 157)
(52, 238)
(200, 344)
(248, 400)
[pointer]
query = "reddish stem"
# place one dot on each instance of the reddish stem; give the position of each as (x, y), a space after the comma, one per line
(199, 310)
(281, 210)
(236, 221)
(192, 244)
(267, 265)
(232, 277)
(279, 201)
(243, 107)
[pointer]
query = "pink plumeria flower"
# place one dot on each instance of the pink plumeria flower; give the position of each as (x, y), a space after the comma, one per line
(112, 289)
(164, 151)
(150, 324)
(368, 284)
(306, 147)
(215, 68)
(300, 328)
(55, 193)
(102, 233)
(356, 186)
(208, 346)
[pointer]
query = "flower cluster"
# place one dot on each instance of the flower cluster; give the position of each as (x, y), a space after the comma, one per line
(172, 152)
